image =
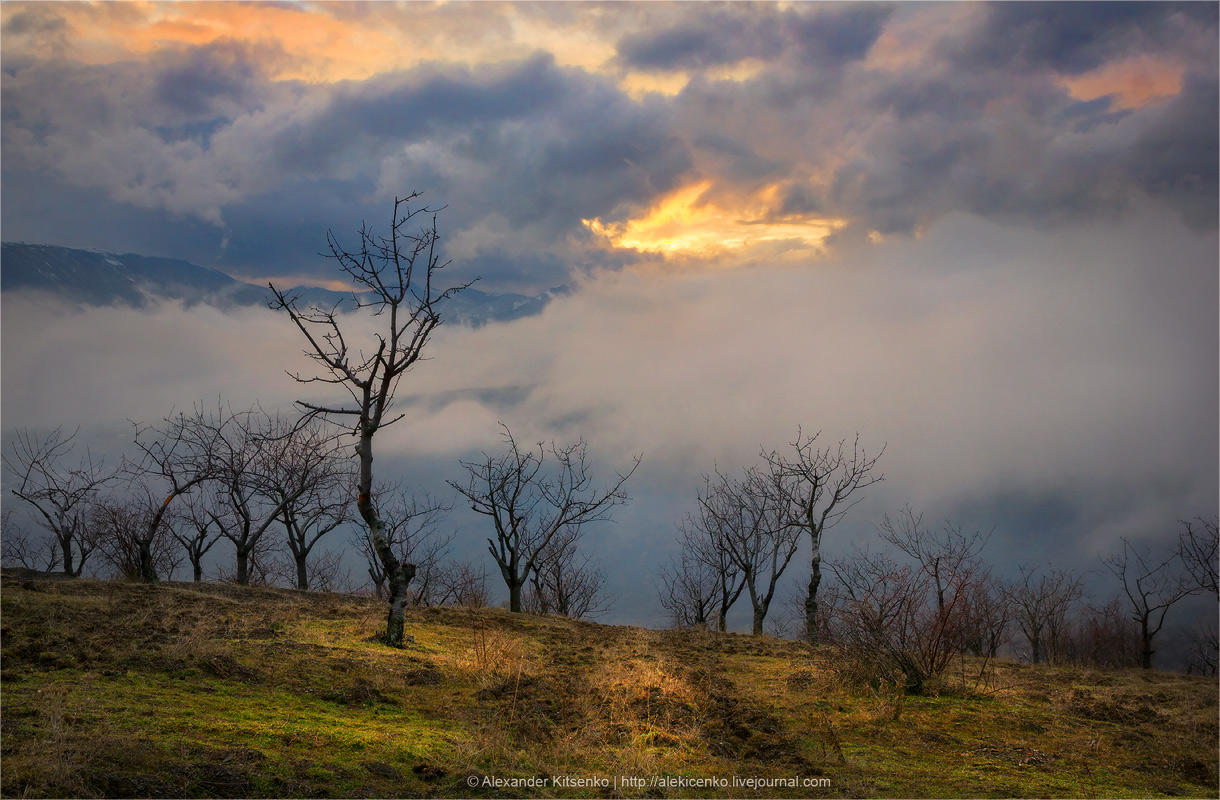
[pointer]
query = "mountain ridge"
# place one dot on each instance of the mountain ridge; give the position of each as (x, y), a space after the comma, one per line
(93, 277)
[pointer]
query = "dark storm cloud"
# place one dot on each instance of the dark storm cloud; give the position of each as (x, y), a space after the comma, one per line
(722, 35)
(1075, 37)
(715, 35)
(208, 79)
(203, 133)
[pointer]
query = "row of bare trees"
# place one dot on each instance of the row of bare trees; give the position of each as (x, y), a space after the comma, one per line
(746, 531)
(195, 478)
(239, 475)
(928, 596)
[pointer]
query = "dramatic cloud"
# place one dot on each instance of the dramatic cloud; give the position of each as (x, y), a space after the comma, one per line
(983, 234)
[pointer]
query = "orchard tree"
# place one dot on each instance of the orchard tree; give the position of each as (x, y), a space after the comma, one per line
(60, 489)
(533, 496)
(1153, 584)
(175, 458)
(757, 540)
(397, 275)
(817, 490)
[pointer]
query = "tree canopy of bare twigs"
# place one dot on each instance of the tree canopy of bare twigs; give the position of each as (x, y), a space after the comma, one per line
(566, 581)
(119, 527)
(59, 489)
(397, 275)
(1153, 584)
(819, 486)
(749, 513)
(412, 529)
(173, 459)
(1199, 550)
(530, 502)
(1040, 603)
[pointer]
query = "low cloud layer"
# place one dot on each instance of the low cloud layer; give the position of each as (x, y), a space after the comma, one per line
(1060, 387)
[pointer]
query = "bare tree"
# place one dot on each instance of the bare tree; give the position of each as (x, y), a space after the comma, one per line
(818, 485)
(759, 542)
(1102, 636)
(1199, 550)
(530, 505)
(175, 458)
(39, 553)
(1152, 585)
(196, 531)
(567, 582)
(462, 584)
(118, 527)
(310, 485)
(261, 466)
(1040, 605)
(687, 589)
(397, 274)
(411, 527)
(706, 560)
(58, 489)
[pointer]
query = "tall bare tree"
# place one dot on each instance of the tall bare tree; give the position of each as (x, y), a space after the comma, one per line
(396, 273)
(59, 488)
(530, 503)
(1153, 584)
(818, 487)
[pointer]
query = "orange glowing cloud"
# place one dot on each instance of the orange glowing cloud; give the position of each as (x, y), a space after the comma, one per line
(686, 222)
(1134, 82)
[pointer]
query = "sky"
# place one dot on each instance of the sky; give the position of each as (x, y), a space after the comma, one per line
(983, 236)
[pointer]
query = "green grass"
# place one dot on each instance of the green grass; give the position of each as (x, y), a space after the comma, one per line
(178, 690)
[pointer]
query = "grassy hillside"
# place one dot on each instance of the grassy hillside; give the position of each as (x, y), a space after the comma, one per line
(200, 691)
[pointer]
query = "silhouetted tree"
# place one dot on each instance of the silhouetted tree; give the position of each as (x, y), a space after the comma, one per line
(758, 539)
(530, 503)
(1153, 585)
(818, 485)
(175, 458)
(1040, 605)
(397, 274)
(566, 581)
(59, 489)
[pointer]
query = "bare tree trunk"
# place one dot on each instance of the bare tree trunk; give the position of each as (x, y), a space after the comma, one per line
(148, 572)
(66, 546)
(811, 596)
(243, 566)
(197, 565)
(1146, 651)
(398, 575)
(760, 614)
(302, 573)
(514, 597)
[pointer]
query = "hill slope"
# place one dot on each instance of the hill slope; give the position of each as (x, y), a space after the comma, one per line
(214, 690)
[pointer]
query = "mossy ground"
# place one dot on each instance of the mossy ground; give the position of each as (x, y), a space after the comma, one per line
(182, 690)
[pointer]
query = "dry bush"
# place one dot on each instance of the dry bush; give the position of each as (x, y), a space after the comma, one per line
(492, 656)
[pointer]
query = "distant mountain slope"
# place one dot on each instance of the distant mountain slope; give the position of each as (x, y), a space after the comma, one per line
(95, 278)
